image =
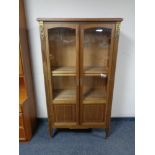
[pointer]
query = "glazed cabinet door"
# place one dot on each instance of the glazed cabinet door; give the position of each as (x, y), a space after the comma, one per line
(96, 46)
(62, 51)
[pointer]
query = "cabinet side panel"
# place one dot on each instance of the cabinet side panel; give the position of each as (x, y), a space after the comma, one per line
(44, 60)
(112, 74)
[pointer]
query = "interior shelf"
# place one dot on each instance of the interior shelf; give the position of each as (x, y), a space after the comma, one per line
(60, 71)
(64, 96)
(95, 70)
(94, 96)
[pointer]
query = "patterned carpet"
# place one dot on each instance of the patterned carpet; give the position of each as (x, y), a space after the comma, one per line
(83, 142)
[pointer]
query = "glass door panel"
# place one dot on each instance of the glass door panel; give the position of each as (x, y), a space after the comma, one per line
(62, 50)
(94, 89)
(95, 55)
(64, 72)
(96, 49)
(64, 89)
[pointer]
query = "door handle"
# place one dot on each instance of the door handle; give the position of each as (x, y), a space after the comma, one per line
(103, 75)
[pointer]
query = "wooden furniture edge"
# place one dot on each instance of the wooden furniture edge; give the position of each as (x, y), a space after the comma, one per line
(28, 107)
(80, 19)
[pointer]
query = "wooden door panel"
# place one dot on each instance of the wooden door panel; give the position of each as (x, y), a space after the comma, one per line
(93, 113)
(65, 113)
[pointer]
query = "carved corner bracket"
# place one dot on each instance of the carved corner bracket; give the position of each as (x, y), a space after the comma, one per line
(41, 25)
(118, 24)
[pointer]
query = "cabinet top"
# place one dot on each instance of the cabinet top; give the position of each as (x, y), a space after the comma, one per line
(80, 19)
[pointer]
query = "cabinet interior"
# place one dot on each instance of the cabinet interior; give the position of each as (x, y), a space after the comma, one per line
(64, 89)
(63, 57)
(96, 46)
(62, 50)
(94, 89)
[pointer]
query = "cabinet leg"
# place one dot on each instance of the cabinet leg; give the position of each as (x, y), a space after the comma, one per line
(51, 132)
(107, 132)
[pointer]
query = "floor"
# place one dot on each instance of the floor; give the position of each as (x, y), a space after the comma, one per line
(83, 142)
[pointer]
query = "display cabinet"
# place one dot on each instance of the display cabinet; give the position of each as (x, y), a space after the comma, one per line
(79, 59)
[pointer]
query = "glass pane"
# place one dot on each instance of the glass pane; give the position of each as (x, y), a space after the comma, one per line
(64, 89)
(62, 49)
(94, 89)
(96, 49)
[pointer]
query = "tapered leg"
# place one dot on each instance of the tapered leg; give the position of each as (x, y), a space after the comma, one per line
(107, 132)
(50, 130)
(51, 134)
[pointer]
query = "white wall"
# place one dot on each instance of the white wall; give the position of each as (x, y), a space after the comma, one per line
(124, 93)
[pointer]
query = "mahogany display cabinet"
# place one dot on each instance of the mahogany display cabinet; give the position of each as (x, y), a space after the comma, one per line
(79, 60)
